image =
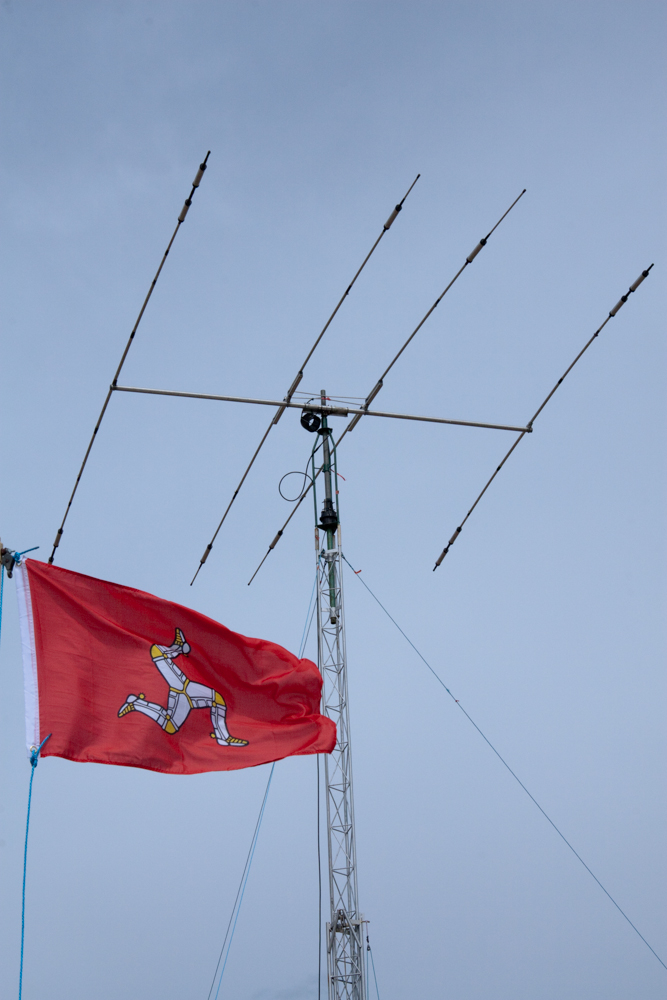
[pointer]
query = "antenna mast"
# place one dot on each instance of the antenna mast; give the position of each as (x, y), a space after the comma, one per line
(344, 929)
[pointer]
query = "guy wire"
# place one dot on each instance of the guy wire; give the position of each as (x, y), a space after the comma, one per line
(308, 621)
(377, 989)
(299, 375)
(241, 889)
(181, 220)
(530, 423)
(504, 762)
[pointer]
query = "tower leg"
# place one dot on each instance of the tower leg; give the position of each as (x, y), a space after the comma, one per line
(345, 952)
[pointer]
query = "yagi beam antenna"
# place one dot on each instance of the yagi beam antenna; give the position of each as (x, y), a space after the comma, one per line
(181, 219)
(529, 426)
(299, 375)
(379, 384)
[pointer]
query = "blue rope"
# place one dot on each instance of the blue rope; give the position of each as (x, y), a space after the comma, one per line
(34, 758)
(19, 555)
(244, 878)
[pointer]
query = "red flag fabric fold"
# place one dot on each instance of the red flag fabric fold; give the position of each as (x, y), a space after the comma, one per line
(118, 676)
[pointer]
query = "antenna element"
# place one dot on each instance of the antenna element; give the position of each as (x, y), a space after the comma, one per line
(181, 219)
(529, 426)
(299, 375)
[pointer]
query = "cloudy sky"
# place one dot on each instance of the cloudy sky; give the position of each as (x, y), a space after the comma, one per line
(546, 619)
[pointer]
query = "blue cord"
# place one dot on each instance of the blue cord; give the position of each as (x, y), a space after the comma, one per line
(18, 555)
(34, 758)
(247, 873)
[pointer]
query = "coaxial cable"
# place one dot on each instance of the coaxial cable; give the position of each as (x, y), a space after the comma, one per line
(181, 219)
(529, 426)
(299, 375)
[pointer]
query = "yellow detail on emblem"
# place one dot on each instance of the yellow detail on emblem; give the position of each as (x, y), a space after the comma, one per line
(232, 741)
(184, 695)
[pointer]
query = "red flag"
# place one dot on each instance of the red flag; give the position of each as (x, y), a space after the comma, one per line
(118, 676)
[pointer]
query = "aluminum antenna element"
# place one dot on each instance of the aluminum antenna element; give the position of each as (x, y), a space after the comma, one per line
(299, 375)
(181, 219)
(633, 288)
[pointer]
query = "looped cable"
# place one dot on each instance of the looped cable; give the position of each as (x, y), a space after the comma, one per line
(303, 490)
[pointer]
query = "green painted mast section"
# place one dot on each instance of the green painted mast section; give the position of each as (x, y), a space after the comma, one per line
(344, 937)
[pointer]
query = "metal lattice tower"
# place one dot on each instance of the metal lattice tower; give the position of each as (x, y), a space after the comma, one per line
(344, 930)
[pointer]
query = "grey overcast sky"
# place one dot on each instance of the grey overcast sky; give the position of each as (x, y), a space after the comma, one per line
(546, 619)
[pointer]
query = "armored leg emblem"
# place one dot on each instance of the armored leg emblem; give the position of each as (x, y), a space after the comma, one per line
(184, 695)
(128, 706)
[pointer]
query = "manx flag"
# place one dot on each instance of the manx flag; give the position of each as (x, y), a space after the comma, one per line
(118, 676)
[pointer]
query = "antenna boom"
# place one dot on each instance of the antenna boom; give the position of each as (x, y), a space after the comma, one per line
(330, 411)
